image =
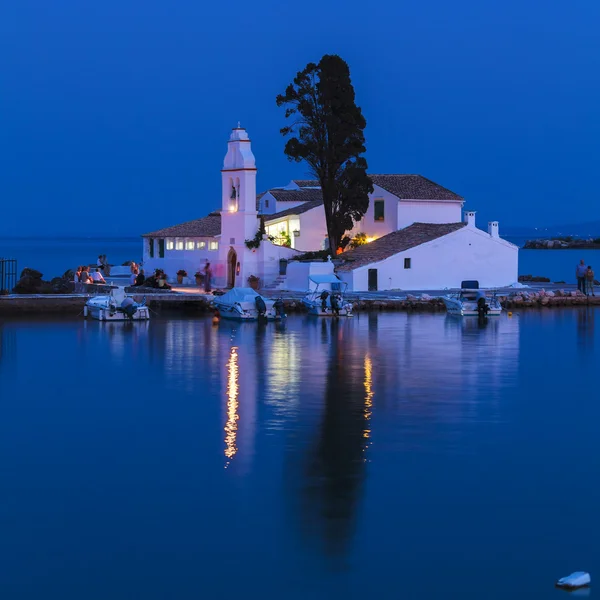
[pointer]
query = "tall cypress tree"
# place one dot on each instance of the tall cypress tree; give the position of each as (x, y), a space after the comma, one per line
(327, 132)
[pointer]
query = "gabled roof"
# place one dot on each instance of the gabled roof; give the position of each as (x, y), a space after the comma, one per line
(304, 195)
(307, 183)
(296, 210)
(392, 243)
(209, 226)
(414, 187)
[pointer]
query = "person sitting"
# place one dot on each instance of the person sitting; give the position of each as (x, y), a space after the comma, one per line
(133, 276)
(97, 277)
(85, 275)
(140, 279)
(77, 276)
(100, 262)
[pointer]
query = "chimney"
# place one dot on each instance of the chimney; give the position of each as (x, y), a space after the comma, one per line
(470, 218)
(493, 229)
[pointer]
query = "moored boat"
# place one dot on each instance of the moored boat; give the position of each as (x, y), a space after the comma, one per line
(470, 301)
(326, 299)
(246, 304)
(116, 306)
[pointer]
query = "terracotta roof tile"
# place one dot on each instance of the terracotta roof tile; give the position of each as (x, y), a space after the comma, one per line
(296, 210)
(414, 187)
(305, 195)
(209, 226)
(304, 183)
(392, 243)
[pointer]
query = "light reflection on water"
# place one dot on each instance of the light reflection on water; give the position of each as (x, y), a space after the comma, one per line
(358, 452)
(232, 404)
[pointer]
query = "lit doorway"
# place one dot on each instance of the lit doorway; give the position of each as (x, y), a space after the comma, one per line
(231, 263)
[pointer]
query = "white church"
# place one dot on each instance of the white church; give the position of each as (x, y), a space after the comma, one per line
(417, 235)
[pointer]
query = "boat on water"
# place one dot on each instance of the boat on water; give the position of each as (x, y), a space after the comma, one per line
(116, 306)
(471, 301)
(326, 298)
(246, 304)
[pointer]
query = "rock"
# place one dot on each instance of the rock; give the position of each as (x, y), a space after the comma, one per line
(31, 273)
(27, 285)
(425, 297)
(544, 301)
(550, 294)
(411, 297)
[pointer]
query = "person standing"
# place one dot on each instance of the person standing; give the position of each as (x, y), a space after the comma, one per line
(580, 273)
(589, 280)
(207, 277)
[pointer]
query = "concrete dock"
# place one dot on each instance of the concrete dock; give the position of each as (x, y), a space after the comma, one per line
(193, 300)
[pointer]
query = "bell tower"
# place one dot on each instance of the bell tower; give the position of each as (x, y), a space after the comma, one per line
(239, 216)
(238, 175)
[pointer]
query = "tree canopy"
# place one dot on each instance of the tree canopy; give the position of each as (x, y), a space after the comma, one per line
(326, 131)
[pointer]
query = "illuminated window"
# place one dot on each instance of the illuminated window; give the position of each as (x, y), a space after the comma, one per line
(170, 245)
(179, 245)
(213, 246)
(378, 210)
(189, 245)
(200, 245)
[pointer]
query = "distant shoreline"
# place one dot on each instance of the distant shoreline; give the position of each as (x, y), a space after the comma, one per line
(562, 244)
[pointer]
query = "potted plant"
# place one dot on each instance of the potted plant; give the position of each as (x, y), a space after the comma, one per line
(199, 275)
(180, 275)
(254, 282)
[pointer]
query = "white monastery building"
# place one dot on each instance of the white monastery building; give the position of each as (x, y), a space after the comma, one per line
(418, 237)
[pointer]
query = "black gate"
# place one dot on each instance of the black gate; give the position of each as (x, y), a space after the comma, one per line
(8, 275)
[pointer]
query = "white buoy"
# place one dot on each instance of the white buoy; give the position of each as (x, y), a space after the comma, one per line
(574, 580)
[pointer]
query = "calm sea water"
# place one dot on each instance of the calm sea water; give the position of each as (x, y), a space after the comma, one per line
(54, 257)
(385, 456)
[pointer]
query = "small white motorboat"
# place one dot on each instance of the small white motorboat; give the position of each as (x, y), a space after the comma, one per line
(574, 581)
(326, 299)
(116, 306)
(246, 304)
(470, 301)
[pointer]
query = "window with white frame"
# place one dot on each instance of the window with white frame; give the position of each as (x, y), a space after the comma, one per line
(213, 246)
(179, 245)
(189, 245)
(200, 245)
(170, 245)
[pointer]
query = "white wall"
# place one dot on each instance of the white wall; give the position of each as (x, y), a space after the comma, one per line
(313, 230)
(297, 274)
(468, 253)
(190, 260)
(373, 228)
(263, 208)
(425, 211)
(269, 255)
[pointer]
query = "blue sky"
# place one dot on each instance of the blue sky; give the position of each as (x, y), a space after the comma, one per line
(114, 115)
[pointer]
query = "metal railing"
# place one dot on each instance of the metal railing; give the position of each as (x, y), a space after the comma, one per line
(8, 274)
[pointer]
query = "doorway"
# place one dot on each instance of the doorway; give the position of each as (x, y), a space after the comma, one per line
(372, 280)
(231, 262)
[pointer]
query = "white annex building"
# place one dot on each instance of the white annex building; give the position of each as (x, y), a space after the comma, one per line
(417, 235)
